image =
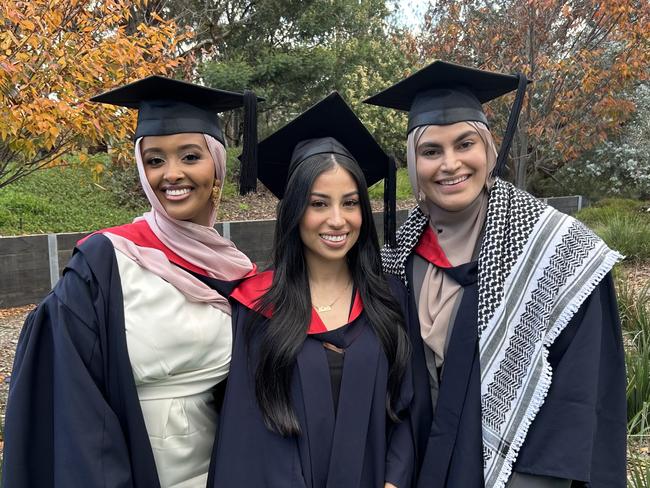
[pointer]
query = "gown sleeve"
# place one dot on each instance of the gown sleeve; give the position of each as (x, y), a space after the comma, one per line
(59, 429)
(580, 432)
(400, 455)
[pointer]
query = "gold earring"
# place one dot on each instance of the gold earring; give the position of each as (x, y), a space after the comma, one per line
(216, 195)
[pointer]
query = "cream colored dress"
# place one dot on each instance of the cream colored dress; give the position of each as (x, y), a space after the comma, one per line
(179, 350)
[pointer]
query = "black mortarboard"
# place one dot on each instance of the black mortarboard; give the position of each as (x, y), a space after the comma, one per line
(166, 106)
(445, 93)
(330, 126)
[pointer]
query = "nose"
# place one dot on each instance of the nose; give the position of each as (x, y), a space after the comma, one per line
(450, 162)
(335, 218)
(173, 171)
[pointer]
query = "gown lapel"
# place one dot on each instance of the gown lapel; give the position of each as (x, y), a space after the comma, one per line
(355, 402)
(319, 406)
(458, 366)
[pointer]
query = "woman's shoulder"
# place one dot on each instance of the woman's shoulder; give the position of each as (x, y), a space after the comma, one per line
(251, 289)
(396, 287)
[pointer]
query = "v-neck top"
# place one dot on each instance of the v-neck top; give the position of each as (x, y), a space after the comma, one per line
(340, 338)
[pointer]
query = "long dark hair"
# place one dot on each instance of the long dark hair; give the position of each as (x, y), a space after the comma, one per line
(290, 300)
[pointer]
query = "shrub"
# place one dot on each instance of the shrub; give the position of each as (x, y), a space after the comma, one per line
(634, 311)
(403, 185)
(623, 224)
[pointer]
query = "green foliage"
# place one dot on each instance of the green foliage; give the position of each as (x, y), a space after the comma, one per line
(376, 191)
(64, 199)
(123, 183)
(295, 53)
(623, 224)
(638, 472)
(635, 321)
(634, 310)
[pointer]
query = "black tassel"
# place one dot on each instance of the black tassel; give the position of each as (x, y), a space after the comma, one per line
(248, 167)
(511, 128)
(390, 204)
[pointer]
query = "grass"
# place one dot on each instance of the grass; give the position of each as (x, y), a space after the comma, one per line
(623, 224)
(634, 311)
(376, 191)
(61, 199)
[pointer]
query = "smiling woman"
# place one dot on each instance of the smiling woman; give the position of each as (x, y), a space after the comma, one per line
(180, 170)
(521, 380)
(116, 371)
(331, 222)
(320, 385)
(453, 163)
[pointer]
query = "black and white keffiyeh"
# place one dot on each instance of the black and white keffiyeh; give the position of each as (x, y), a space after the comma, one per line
(536, 267)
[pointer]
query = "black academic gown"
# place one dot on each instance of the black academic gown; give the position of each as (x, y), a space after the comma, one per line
(358, 447)
(580, 431)
(73, 415)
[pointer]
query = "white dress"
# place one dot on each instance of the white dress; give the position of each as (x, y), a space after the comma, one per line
(179, 350)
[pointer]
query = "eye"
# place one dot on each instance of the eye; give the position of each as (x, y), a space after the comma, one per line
(155, 161)
(191, 157)
(430, 152)
(466, 144)
(317, 204)
(352, 202)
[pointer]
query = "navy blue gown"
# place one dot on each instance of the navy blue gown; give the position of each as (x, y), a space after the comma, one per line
(73, 415)
(580, 432)
(355, 447)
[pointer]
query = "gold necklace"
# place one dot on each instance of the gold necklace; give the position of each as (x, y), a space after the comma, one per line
(328, 308)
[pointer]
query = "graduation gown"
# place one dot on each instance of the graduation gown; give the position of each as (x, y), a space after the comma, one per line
(580, 432)
(356, 447)
(73, 414)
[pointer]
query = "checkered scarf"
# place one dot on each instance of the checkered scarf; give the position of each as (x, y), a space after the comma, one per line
(536, 267)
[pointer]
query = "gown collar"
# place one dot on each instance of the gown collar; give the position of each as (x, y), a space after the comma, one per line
(251, 290)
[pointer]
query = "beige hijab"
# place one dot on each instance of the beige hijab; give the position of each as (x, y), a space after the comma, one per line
(458, 233)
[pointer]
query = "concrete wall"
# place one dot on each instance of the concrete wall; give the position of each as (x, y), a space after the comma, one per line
(30, 265)
(568, 205)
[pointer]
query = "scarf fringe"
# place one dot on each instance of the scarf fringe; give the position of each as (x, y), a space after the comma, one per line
(546, 379)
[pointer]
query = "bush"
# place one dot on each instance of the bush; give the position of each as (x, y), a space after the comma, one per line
(123, 183)
(634, 311)
(623, 224)
(404, 192)
(639, 472)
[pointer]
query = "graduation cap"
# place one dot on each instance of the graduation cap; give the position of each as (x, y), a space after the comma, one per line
(166, 106)
(329, 127)
(445, 93)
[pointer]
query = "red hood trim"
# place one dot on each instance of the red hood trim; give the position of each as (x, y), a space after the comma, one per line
(249, 291)
(429, 249)
(140, 234)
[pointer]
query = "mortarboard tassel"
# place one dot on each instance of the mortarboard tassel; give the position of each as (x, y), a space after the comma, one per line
(248, 168)
(390, 212)
(512, 126)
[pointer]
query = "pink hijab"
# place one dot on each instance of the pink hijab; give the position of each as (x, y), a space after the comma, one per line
(200, 245)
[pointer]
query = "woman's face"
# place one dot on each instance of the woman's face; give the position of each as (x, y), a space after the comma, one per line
(330, 226)
(451, 165)
(181, 172)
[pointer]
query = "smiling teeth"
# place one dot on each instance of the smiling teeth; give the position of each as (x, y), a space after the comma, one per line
(176, 193)
(453, 181)
(328, 237)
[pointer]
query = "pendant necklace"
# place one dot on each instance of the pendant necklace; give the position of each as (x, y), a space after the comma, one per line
(328, 308)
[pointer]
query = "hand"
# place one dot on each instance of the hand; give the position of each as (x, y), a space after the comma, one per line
(389, 485)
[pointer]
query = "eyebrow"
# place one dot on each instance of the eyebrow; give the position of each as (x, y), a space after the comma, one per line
(462, 136)
(323, 195)
(184, 147)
